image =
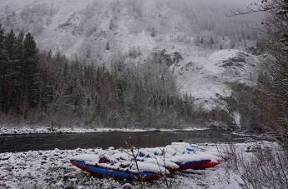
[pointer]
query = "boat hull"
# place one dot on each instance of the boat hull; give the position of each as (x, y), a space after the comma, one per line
(103, 172)
(201, 164)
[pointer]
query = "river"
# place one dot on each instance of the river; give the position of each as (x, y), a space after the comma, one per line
(27, 142)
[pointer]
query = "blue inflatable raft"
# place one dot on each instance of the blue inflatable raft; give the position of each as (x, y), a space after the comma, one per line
(117, 174)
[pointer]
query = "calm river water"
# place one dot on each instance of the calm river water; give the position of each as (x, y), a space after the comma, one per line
(17, 143)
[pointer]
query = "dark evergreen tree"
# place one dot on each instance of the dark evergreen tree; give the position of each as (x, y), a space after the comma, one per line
(18, 70)
(3, 68)
(10, 74)
(31, 71)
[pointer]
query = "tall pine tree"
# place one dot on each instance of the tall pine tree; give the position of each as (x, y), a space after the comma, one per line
(31, 71)
(19, 64)
(3, 67)
(10, 75)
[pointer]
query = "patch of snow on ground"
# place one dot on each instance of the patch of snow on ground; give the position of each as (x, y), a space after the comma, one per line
(49, 130)
(52, 169)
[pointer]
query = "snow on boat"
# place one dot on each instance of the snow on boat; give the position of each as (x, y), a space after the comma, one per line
(186, 156)
(146, 164)
(122, 170)
(192, 157)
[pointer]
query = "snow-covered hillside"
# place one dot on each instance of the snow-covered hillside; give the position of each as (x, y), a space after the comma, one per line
(100, 30)
(207, 78)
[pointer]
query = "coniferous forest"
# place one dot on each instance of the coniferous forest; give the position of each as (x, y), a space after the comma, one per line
(42, 87)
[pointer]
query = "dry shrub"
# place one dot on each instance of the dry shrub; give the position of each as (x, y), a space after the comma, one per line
(260, 167)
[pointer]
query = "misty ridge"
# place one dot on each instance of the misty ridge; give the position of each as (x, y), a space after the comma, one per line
(86, 28)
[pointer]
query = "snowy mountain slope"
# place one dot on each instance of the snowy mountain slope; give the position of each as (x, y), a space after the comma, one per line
(100, 30)
(206, 78)
(70, 26)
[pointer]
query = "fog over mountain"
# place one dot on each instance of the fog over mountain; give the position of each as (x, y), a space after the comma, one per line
(70, 26)
(202, 32)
